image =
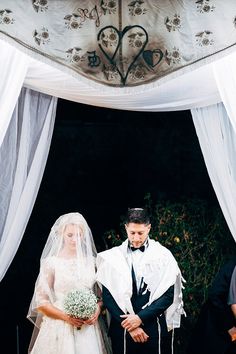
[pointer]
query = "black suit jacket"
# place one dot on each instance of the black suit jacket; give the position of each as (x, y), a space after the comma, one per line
(148, 315)
(210, 334)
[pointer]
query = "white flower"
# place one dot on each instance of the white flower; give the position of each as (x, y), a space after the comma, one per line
(80, 303)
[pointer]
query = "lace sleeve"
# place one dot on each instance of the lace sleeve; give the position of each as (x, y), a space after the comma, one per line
(44, 289)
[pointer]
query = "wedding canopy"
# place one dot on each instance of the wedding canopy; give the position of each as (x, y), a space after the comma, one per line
(138, 55)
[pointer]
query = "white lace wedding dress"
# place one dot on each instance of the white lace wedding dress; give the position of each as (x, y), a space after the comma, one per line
(57, 336)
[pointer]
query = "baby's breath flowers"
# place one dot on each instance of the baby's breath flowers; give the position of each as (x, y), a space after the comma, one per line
(80, 303)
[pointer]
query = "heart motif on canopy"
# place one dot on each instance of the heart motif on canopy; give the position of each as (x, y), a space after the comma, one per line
(153, 57)
(122, 48)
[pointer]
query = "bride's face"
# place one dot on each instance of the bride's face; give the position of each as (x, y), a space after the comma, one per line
(71, 234)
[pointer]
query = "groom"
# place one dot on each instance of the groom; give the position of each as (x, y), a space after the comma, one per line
(141, 284)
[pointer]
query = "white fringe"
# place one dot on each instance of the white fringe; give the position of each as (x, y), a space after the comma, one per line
(172, 341)
(159, 335)
(124, 341)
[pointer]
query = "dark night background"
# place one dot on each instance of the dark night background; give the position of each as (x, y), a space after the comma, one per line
(101, 162)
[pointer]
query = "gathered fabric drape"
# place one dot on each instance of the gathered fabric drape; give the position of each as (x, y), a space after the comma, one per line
(225, 76)
(216, 129)
(14, 65)
(217, 139)
(193, 89)
(23, 155)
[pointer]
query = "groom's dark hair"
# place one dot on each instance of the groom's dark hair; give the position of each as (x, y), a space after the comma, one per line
(137, 216)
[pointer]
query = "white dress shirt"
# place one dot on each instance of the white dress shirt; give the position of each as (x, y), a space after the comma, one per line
(135, 260)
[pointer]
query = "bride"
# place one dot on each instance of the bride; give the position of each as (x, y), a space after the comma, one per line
(67, 263)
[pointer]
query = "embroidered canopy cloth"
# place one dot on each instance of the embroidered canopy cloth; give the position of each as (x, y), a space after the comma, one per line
(121, 43)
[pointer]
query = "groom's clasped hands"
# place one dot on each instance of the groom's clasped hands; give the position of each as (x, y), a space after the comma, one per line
(132, 324)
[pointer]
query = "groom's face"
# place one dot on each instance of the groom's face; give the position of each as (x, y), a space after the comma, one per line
(137, 233)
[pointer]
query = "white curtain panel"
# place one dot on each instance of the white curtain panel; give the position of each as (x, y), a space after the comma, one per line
(225, 76)
(217, 139)
(14, 65)
(23, 156)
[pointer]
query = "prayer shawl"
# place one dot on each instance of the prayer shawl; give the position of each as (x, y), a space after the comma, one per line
(159, 269)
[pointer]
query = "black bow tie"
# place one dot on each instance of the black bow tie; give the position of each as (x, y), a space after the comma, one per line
(142, 248)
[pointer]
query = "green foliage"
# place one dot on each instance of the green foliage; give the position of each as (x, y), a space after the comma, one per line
(199, 239)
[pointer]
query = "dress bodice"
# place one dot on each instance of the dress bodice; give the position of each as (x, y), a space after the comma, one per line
(59, 276)
(69, 274)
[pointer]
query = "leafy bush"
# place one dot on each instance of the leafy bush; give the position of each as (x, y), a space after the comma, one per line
(199, 239)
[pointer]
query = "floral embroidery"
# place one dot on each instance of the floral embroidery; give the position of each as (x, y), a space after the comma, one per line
(173, 57)
(174, 24)
(137, 73)
(6, 17)
(41, 37)
(109, 6)
(110, 72)
(203, 38)
(136, 40)
(73, 55)
(73, 21)
(136, 8)
(204, 6)
(40, 5)
(109, 37)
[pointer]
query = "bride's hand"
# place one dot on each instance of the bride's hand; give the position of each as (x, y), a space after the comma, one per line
(94, 318)
(76, 322)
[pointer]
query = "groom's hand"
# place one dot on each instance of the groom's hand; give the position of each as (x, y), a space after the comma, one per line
(232, 333)
(131, 322)
(138, 335)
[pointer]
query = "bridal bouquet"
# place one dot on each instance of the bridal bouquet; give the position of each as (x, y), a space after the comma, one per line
(80, 303)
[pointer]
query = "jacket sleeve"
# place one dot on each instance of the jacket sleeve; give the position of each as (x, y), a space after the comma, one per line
(157, 307)
(111, 305)
(218, 296)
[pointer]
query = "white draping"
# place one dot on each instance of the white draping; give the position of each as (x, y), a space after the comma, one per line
(217, 139)
(23, 155)
(196, 88)
(193, 89)
(216, 130)
(20, 180)
(225, 75)
(14, 65)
